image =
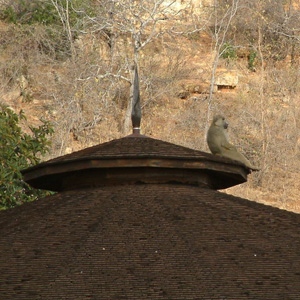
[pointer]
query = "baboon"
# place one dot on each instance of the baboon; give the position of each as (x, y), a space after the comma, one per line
(218, 143)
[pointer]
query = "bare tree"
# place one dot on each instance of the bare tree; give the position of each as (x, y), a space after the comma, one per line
(132, 25)
(222, 19)
(63, 11)
(113, 37)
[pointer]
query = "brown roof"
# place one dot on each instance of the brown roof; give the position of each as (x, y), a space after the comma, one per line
(135, 153)
(137, 218)
(134, 146)
(149, 241)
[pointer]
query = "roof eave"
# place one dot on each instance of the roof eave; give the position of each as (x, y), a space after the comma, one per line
(62, 176)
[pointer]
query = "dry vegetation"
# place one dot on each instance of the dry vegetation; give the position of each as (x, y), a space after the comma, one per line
(85, 92)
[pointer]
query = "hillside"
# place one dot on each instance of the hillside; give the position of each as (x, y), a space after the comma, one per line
(85, 95)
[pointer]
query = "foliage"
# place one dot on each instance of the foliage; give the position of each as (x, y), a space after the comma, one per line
(43, 11)
(228, 51)
(51, 25)
(252, 60)
(271, 26)
(29, 12)
(19, 150)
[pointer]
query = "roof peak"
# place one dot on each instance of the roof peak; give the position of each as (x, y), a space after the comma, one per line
(136, 112)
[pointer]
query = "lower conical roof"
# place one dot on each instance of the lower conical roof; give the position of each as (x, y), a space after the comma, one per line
(148, 241)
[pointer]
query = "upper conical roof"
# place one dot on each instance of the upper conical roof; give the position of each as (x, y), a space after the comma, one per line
(164, 161)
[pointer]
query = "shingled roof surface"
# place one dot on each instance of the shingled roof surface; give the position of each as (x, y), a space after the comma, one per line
(133, 147)
(149, 241)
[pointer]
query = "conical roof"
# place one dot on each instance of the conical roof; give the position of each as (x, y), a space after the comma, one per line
(135, 158)
(148, 241)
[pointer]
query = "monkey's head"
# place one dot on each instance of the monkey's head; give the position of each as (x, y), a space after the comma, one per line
(220, 121)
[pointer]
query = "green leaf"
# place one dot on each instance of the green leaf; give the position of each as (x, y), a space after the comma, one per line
(19, 150)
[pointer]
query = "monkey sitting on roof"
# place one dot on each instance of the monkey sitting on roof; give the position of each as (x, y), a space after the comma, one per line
(219, 145)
